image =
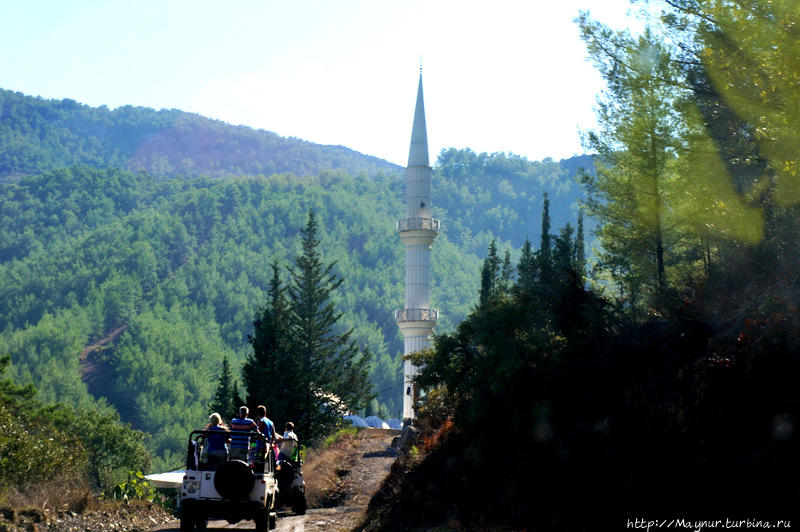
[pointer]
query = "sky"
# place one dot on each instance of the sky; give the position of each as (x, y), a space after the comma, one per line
(507, 76)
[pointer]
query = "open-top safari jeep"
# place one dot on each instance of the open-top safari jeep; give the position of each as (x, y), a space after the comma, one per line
(232, 490)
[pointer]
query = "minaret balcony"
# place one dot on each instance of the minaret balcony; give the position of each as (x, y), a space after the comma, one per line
(416, 314)
(416, 224)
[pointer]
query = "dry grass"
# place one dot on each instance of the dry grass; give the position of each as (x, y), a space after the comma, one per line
(61, 493)
(326, 466)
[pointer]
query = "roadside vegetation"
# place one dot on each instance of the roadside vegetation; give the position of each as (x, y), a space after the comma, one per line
(662, 382)
(57, 457)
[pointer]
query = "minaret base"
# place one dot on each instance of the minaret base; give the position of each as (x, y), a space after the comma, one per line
(416, 337)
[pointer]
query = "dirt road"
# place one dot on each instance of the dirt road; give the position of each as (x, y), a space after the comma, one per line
(354, 469)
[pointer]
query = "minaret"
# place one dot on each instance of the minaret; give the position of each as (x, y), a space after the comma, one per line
(417, 231)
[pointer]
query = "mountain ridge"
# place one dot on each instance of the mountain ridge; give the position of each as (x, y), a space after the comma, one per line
(45, 134)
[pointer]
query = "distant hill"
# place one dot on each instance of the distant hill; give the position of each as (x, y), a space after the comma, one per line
(39, 135)
(480, 196)
(578, 163)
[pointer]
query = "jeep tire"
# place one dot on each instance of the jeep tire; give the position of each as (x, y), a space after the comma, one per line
(261, 520)
(187, 524)
(234, 480)
(299, 506)
(187, 519)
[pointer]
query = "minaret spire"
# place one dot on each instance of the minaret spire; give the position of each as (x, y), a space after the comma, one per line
(418, 153)
(417, 231)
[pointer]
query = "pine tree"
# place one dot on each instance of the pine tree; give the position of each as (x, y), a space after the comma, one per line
(506, 274)
(226, 398)
(564, 253)
(236, 398)
(333, 372)
(527, 269)
(545, 251)
(490, 274)
(271, 367)
(637, 189)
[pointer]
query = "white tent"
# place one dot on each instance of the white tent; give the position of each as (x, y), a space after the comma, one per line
(395, 423)
(376, 422)
(171, 479)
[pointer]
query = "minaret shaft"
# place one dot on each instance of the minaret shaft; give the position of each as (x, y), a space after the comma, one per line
(417, 231)
(418, 192)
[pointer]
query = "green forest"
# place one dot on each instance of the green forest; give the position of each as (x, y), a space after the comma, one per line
(123, 291)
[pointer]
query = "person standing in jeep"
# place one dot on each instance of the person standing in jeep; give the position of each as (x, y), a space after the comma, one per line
(240, 442)
(288, 443)
(216, 452)
(265, 427)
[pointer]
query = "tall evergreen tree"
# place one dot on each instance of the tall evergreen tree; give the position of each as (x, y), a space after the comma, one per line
(564, 257)
(526, 269)
(545, 251)
(506, 274)
(490, 274)
(580, 249)
(271, 365)
(226, 398)
(333, 372)
(636, 189)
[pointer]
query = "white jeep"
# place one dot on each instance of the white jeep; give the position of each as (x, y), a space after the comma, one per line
(232, 490)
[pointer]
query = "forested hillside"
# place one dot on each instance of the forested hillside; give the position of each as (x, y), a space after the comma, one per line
(39, 135)
(126, 290)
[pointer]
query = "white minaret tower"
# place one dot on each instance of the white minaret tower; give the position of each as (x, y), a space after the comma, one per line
(417, 231)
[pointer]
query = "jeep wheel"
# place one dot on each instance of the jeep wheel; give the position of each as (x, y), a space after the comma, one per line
(299, 507)
(234, 480)
(187, 520)
(262, 520)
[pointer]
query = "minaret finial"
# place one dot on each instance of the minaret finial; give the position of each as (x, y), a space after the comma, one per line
(420, 66)
(418, 152)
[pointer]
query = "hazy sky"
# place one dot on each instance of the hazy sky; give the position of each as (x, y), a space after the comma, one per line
(498, 76)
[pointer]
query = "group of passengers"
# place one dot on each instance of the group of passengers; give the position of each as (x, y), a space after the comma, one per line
(234, 443)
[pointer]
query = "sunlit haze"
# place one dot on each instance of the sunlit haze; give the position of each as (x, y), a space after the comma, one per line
(502, 76)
